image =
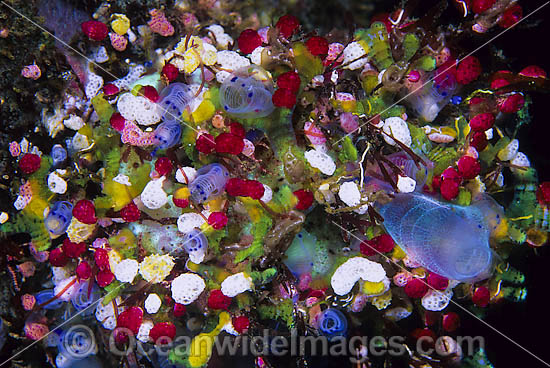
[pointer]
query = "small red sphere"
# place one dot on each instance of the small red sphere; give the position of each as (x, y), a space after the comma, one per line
(150, 93)
(384, 243)
(229, 143)
(95, 30)
(217, 220)
(248, 40)
(543, 193)
(104, 277)
(84, 211)
(512, 104)
(131, 319)
(110, 89)
(130, 212)
(57, 258)
(170, 72)
(29, 163)
(101, 258)
(416, 288)
(73, 250)
(237, 129)
(468, 167)
(205, 143)
(480, 6)
(305, 199)
(163, 332)
(180, 202)
(289, 80)
(437, 282)
(450, 321)
(450, 173)
(468, 70)
(511, 16)
(84, 270)
(481, 296)
(235, 187)
(284, 98)
(368, 248)
(533, 71)
(317, 46)
(449, 189)
(217, 300)
(482, 122)
(163, 166)
(436, 182)
(179, 310)
(287, 25)
(254, 189)
(479, 141)
(117, 122)
(240, 323)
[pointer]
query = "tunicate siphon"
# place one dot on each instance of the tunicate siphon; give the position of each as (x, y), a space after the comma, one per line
(195, 243)
(174, 99)
(76, 343)
(167, 134)
(59, 217)
(59, 154)
(245, 96)
(450, 240)
(210, 182)
(333, 323)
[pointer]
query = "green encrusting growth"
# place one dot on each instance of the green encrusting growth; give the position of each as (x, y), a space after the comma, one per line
(283, 311)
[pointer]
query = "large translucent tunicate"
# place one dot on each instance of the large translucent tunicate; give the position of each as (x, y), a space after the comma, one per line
(210, 182)
(59, 217)
(195, 244)
(167, 134)
(244, 95)
(450, 240)
(75, 344)
(174, 99)
(333, 323)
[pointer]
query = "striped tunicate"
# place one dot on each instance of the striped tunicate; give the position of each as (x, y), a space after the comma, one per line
(174, 99)
(333, 323)
(210, 182)
(195, 244)
(59, 154)
(167, 134)
(246, 97)
(59, 217)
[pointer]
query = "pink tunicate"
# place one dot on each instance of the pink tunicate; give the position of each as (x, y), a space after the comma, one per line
(31, 72)
(159, 24)
(36, 331)
(28, 301)
(314, 134)
(349, 122)
(118, 42)
(189, 20)
(15, 149)
(400, 279)
(304, 281)
(27, 269)
(134, 136)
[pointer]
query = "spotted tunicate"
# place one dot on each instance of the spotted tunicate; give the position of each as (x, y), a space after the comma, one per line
(174, 99)
(59, 217)
(246, 97)
(210, 182)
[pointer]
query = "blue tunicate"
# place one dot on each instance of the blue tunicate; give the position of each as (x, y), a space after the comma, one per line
(300, 254)
(81, 300)
(167, 134)
(210, 182)
(429, 100)
(450, 240)
(59, 154)
(59, 217)
(246, 97)
(333, 323)
(195, 241)
(45, 295)
(174, 99)
(76, 343)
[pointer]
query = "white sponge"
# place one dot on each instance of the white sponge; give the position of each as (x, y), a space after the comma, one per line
(126, 270)
(437, 300)
(152, 196)
(321, 161)
(397, 128)
(236, 284)
(187, 287)
(349, 194)
(345, 276)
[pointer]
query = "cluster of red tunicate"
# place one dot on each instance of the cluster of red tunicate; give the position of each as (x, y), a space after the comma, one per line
(244, 188)
(288, 85)
(379, 244)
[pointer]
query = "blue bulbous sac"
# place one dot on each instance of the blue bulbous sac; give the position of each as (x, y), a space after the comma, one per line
(174, 99)
(45, 295)
(450, 240)
(195, 241)
(210, 182)
(167, 134)
(246, 98)
(77, 343)
(59, 154)
(333, 323)
(81, 300)
(59, 217)
(429, 100)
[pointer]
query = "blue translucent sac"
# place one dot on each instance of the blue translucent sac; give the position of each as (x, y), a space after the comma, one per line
(59, 217)
(167, 134)
(210, 182)
(301, 253)
(429, 100)
(174, 99)
(77, 342)
(333, 323)
(45, 295)
(59, 155)
(246, 98)
(81, 300)
(450, 240)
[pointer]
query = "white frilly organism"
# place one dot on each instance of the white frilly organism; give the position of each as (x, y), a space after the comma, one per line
(152, 196)
(236, 284)
(187, 287)
(354, 269)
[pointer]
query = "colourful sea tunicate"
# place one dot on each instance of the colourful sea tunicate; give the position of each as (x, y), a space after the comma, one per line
(245, 97)
(174, 99)
(210, 181)
(59, 217)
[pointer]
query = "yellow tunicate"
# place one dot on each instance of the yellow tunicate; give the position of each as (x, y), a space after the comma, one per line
(373, 288)
(155, 268)
(382, 301)
(201, 345)
(398, 253)
(204, 112)
(501, 230)
(182, 193)
(79, 232)
(194, 42)
(209, 57)
(216, 204)
(191, 61)
(114, 258)
(120, 24)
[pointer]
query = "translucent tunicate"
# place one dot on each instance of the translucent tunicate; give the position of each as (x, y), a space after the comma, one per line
(59, 217)
(196, 244)
(76, 343)
(429, 100)
(210, 182)
(45, 295)
(167, 134)
(450, 240)
(333, 323)
(247, 94)
(59, 154)
(84, 297)
(174, 99)
(306, 255)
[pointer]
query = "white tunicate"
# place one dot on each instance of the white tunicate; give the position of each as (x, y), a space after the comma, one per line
(321, 161)
(188, 221)
(187, 287)
(436, 301)
(152, 196)
(74, 122)
(349, 194)
(152, 303)
(236, 284)
(405, 184)
(101, 55)
(138, 108)
(190, 174)
(56, 184)
(398, 129)
(354, 51)
(347, 274)
(126, 270)
(134, 73)
(510, 151)
(93, 85)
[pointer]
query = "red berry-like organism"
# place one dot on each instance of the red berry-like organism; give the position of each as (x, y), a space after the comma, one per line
(289, 80)
(179, 310)
(450, 321)
(117, 122)
(248, 40)
(104, 277)
(305, 199)
(317, 46)
(83, 270)
(237, 129)
(512, 104)
(110, 89)
(240, 323)
(163, 332)
(229, 143)
(73, 250)
(95, 30)
(205, 143)
(170, 72)
(101, 258)
(468, 70)
(84, 211)
(482, 122)
(416, 288)
(29, 163)
(511, 16)
(130, 212)
(217, 300)
(481, 296)
(468, 167)
(57, 258)
(437, 282)
(287, 25)
(163, 166)
(150, 93)
(284, 97)
(217, 220)
(479, 6)
(479, 141)
(254, 189)
(543, 193)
